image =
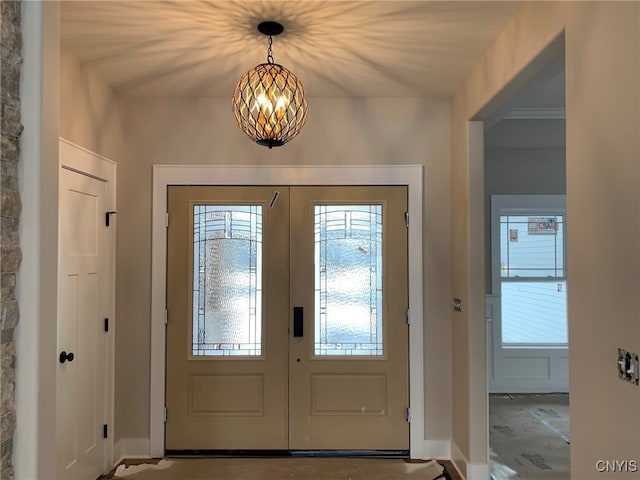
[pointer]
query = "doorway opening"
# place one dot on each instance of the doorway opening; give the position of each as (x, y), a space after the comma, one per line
(526, 281)
(409, 176)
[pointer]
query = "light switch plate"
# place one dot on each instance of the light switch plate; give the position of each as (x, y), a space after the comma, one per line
(457, 304)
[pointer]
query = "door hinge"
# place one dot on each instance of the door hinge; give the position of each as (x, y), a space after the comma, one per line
(406, 218)
(164, 414)
(166, 316)
(409, 414)
(105, 431)
(106, 324)
(166, 220)
(408, 316)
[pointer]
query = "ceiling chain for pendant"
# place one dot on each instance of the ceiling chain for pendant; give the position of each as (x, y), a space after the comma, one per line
(270, 51)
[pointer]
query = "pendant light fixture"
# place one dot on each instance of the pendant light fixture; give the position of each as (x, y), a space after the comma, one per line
(269, 102)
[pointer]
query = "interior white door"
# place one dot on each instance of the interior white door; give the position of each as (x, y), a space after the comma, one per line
(81, 338)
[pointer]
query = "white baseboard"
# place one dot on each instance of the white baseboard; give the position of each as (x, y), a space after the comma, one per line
(131, 448)
(468, 471)
(459, 460)
(437, 449)
(478, 471)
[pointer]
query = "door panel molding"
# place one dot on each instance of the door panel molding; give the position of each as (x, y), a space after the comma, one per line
(249, 403)
(371, 389)
(219, 175)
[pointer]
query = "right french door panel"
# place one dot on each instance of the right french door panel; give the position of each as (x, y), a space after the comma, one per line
(349, 344)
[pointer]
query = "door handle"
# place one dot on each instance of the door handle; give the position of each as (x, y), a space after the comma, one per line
(66, 357)
(298, 319)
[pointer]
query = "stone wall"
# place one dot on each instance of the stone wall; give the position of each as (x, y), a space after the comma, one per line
(10, 255)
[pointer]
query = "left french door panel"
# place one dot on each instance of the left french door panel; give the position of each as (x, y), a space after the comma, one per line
(81, 337)
(227, 341)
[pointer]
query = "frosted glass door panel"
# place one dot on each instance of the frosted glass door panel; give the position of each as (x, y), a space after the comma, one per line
(227, 280)
(348, 280)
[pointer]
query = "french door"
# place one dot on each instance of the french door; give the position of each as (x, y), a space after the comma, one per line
(287, 318)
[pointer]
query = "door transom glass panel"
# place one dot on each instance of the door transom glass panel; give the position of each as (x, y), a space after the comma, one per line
(227, 280)
(348, 280)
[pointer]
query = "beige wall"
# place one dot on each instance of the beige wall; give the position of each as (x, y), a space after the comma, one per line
(338, 132)
(603, 120)
(90, 113)
(201, 131)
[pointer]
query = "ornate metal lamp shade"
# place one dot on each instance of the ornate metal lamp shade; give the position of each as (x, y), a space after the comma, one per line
(268, 102)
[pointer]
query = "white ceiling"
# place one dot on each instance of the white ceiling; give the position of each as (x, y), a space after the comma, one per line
(337, 48)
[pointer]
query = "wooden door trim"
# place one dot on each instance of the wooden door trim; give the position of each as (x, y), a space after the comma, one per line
(218, 175)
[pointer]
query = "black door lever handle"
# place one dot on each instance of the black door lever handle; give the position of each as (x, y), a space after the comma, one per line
(298, 320)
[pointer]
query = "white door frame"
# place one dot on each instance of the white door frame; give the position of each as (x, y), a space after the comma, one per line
(80, 160)
(165, 175)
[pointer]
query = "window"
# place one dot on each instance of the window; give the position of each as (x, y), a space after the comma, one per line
(533, 280)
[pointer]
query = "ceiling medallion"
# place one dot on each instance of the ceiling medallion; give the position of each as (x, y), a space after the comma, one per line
(269, 102)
